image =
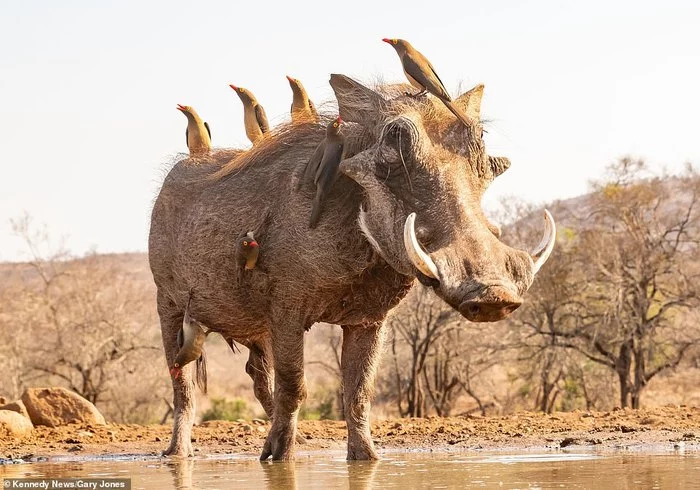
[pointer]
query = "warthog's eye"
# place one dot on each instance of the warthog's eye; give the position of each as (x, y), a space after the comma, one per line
(400, 136)
(423, 235)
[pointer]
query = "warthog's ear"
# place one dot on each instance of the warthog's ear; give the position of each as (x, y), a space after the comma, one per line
(470, 102)
(499, 165)
(356, 103)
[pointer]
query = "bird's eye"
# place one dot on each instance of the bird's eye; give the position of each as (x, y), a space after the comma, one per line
(395, 41)
(335, 124)
(240, 89)
(245, 243)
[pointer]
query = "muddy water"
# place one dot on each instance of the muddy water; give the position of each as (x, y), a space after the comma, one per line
(395, 470)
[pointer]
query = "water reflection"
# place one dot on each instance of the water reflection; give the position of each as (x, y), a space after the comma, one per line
(436, 470)
(182, 470)
(280, 475)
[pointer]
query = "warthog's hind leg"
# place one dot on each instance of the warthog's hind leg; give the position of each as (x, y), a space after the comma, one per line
(290, 389)
(259, 368)
(362, 347)
(183, 386)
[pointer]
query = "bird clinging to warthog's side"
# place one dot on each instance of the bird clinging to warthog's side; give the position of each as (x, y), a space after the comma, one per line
(254, 117)
(422, 75)
(197, 134)
(302, 107)
(190, 339)
(247, 252)
(323, 166)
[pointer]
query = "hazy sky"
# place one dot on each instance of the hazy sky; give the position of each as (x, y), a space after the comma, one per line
(89, 89)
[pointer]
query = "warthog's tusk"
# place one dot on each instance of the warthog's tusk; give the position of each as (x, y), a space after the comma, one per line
(419, 258)
(542, 251)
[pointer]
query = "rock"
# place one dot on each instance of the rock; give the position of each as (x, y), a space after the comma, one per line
(16, 406)
(58, 406)
(3, 400)
(12, 424)
(568, 441)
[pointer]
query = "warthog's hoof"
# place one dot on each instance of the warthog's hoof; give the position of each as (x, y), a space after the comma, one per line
(182, 450)
(361, 450)
(279, 443)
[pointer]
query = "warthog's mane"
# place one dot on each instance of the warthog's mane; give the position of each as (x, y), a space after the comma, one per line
(436, 119)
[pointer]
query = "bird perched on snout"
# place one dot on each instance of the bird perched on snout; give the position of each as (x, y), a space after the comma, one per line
(422, 75)
(190, 339)
(247, 253)
(254, 117)
(197, 134)
(324, 166)
(302, 107)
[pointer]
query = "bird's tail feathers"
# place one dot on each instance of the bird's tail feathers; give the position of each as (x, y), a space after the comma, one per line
(316, 212)
(455, 110)
(201, 374)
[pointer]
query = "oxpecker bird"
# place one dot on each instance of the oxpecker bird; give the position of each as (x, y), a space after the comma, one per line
(422, 75)
(254, 118)
(247, 252)
(197, 134)
(324, 166)
(190, 339)
(302, 107)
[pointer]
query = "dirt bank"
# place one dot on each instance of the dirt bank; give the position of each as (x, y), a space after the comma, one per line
(659, 428)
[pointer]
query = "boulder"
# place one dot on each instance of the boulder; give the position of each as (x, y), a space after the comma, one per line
(16, 406)
(58, 406)
(14, 425)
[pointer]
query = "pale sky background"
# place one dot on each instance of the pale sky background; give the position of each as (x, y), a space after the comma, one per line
(88, 90)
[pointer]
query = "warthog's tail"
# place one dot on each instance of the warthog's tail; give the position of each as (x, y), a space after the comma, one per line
(201, 374)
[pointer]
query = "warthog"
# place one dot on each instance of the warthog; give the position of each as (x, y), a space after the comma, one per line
(406, 206)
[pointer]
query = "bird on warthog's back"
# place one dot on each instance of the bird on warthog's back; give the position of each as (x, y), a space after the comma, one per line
(254, 117)
(302, 107)
(422, 75)
(197, 134)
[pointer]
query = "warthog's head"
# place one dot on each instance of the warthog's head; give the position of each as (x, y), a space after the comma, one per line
(423, 175)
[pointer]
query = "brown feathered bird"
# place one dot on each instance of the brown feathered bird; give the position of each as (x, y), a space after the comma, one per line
(302, 107)
(191, 339)
(323, 165)
(254, 117)
(197, 134)
(247, 253)
(422, 75)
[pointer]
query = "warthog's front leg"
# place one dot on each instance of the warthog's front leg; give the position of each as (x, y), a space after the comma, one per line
(183, 386)
(290, 389)
(362, 347)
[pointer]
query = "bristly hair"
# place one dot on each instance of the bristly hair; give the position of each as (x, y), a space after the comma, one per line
(436, 119)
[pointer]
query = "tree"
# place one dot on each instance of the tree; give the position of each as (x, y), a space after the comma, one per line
(86, 324)
(621, 278)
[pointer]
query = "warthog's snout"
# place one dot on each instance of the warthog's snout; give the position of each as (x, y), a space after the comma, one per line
(494, 303)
